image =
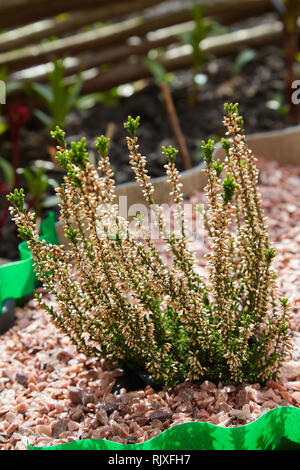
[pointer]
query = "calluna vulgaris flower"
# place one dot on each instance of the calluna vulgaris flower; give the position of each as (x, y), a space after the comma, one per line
(117, 299)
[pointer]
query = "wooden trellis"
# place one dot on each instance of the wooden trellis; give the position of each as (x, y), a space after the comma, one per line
(134, 28)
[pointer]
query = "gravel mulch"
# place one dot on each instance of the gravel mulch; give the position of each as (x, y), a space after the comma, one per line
(51, 394)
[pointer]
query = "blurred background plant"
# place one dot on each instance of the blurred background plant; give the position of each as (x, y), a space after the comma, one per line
(109, 99)
(243, 58)
(37, 182)
(10, 88)
(194, 38)
(58, 98)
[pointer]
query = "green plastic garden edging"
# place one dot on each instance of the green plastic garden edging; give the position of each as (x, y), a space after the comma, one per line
(17, 279)
(278, 429)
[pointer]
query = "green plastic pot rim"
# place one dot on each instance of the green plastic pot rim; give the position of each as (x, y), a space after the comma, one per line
(17, 278)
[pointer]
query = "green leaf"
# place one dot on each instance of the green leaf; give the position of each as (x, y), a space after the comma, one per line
(17, 199)
(71, 235)
(74, 92)
(59, 135)
(229, 186)
(3, 127)
(36, 179)
(243, 58)
(44, 118)
(108, 98)
(44, 91)
(157, 70)
(170, 153)
(25, 233)
(226, 145)
(102, 145)
(58, 98)
(78, 154)
(3, 73)
(218, 167)
(8, 171)
(13, 86)
(269, 255)
(196, 35)
(131, 125)
(208, 149)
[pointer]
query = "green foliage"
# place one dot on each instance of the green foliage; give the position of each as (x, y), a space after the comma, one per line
(38, 182)
(63, 160)
(131, 125)
(269, 255)
(226, 145)
(170, 153)
(17, 199)
(8, 171)
(25, 233)
(58, 98)
(122, 301)
(78, 154)
(229, 187)
(139, 217)
(71, 235)
(102, 145)
(284, 301)
(158, 71)
(243, 58)
(218, 167)
(194, 38)
(208, 149)
(196, 35)
(231, 108)
(108, 98)
(59, 135)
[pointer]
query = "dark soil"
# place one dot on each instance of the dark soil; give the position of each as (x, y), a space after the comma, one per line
(258, 82)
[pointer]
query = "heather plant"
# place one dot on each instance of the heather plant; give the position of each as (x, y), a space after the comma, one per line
(116, 298)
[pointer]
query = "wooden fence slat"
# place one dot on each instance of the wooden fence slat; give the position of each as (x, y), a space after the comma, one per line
(54, 27)
(20, 12)
(121, 52)
(9, 5)
(114, 34)
(222, 45)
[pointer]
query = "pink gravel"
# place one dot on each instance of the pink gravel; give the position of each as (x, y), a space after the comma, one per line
(50, 394)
